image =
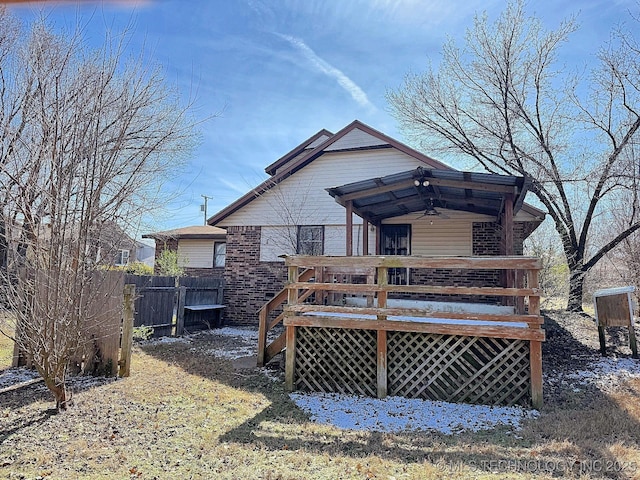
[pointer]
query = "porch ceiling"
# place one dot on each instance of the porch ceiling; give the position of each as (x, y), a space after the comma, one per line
(416, 190)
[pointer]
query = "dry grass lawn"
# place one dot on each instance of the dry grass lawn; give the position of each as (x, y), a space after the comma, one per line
(185, 414)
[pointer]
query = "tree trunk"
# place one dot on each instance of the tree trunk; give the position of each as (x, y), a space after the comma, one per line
(59, 390)
(576, 289)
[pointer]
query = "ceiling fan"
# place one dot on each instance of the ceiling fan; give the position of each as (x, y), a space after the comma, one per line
(431, 211)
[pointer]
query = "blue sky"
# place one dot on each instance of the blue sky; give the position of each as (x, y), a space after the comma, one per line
(276, 72)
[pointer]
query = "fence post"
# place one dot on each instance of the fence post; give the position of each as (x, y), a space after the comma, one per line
(182, 295)
(127, 330)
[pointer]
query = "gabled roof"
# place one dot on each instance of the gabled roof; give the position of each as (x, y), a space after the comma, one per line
(290, 168)
(306, 145)
(192, 232)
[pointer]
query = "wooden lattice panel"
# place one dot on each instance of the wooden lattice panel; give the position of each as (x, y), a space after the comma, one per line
(490, 371)
(336, 360)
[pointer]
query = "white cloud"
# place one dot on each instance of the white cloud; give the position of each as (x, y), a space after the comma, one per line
(324, 67)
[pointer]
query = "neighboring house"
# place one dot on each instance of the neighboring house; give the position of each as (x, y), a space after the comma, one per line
(201, 248)
(117, 248)
(145, 253)
(296, 210)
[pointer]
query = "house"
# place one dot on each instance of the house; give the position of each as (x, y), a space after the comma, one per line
(201, 248)
(128, 250)
(412, 205)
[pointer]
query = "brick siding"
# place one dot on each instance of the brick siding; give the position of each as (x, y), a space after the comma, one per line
(250, 283)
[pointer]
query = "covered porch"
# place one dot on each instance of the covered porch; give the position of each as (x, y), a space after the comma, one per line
(352, 325)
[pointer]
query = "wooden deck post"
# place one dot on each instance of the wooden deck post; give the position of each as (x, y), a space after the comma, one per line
(534, 300)
(290, 352)
(262, 335)
(507, 230)
(382, 363)
(290, 359)
(349, 210)
(383, 281)
(535, 347)
(127, 330)
(535, 361)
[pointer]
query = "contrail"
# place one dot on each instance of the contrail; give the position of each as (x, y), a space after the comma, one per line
(345, 82)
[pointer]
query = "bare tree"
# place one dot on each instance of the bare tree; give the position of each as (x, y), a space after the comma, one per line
(504, 101)
(85, 138)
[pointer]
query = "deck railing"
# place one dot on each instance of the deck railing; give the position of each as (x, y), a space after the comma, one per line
(518, 334)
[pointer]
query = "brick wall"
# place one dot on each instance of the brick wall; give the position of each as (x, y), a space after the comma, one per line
(487, 241)
(249, 283)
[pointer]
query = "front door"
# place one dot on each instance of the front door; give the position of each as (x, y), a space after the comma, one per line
(396, 240)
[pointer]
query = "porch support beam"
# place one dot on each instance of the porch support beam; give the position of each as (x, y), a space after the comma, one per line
(349, 210)
(365, 237)
(508, 224)
(507, 229)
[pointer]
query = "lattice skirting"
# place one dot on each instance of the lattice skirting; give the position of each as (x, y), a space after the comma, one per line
(490, 371)
(336, 360)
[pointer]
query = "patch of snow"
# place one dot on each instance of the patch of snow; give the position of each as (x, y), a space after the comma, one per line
(234, 352)
(273, 375)
(170, 340)
(398, 414)
(13, 376)
(446, 321)
(607, 373)
(460, 307)
(246, 333)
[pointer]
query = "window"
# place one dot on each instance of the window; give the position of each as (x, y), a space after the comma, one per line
(219, 254)
(310, 240)
(122, 257)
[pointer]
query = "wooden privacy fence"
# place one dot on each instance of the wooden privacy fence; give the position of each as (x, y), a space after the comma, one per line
(108, 320)
(160, 303)
(490, 356)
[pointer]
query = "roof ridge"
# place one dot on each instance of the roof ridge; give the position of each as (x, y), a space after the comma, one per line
(272, 168)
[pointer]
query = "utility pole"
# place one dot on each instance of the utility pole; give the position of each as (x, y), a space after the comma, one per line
(203, 208)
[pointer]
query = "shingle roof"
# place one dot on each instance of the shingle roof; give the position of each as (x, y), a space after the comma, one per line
(193, 232)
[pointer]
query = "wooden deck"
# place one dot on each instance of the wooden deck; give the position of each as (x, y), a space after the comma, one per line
(484, 357)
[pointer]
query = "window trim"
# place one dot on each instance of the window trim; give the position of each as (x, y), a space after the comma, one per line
(216, 255)
(119, 257)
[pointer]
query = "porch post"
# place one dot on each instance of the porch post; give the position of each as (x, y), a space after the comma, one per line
(508, 224)
(507, 228)
(378, 237)
(365, 237)
(349, 208)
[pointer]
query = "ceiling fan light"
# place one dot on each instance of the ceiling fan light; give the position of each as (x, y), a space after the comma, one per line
(431, 212)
